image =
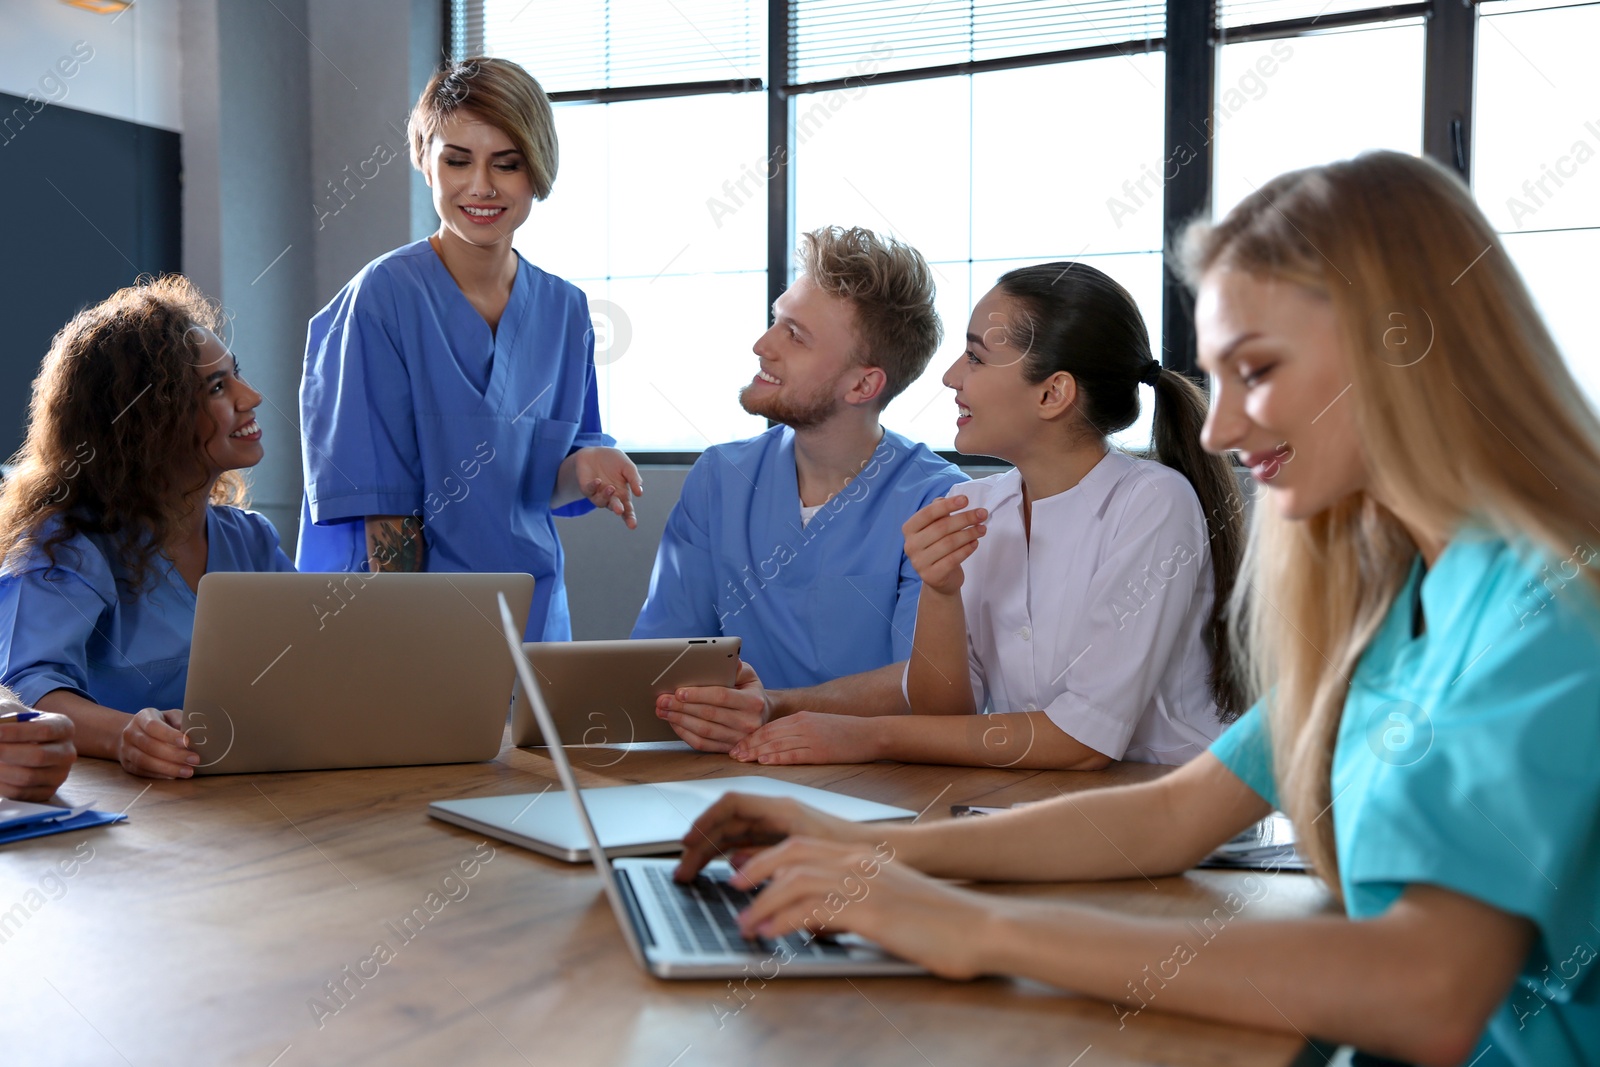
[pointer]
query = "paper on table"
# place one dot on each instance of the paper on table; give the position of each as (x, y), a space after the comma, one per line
(20, 813)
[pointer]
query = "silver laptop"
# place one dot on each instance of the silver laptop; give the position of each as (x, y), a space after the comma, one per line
(635, 820)
(690, 931)
(300, 672)
(604, 692)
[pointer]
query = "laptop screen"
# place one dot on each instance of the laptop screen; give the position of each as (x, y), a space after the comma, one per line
(558, 756)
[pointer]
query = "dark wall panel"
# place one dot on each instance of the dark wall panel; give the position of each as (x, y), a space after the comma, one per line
(92, 203)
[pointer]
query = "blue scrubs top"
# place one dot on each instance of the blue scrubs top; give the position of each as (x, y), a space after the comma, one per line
(76, 625)
(410, 405)
(1467, 758)
(811, 603)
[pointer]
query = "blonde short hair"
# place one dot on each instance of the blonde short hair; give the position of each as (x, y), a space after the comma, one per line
(890, 286)
(505, 96)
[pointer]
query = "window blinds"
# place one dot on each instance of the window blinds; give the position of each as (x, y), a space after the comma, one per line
(1232, 14)
(832, 38)
(611, 44)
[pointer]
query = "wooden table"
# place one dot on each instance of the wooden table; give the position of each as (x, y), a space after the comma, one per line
(207, 929)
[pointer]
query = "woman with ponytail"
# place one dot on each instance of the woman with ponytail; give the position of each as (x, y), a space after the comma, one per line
(1422, 615)
(1078, 597)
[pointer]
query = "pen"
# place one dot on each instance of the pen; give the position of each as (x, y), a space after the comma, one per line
(20, 716)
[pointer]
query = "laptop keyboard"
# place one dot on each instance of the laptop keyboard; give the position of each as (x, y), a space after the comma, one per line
(704, 915)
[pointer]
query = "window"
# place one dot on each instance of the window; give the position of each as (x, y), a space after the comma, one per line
(1536, 160)
(1233, 14)
(999, 183)
(610, 44)
(922, 34)
(660, 212)
(1291, 102)
(659, 209)
(659, 215)
(991, 134)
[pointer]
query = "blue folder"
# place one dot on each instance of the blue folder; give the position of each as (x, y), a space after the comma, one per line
(19, 821)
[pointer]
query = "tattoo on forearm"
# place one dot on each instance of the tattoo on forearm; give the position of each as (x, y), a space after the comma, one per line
(394, 544)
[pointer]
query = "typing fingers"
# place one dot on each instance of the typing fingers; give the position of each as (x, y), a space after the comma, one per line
(800, 873)
(735, 821)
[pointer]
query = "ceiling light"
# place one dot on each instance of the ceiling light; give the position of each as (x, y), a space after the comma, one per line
(101, 7)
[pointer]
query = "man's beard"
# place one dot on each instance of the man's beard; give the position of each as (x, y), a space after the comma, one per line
(795, 414)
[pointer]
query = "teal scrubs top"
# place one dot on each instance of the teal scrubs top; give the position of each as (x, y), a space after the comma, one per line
(1469, 758)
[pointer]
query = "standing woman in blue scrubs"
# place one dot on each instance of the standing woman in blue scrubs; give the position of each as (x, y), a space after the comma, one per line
(449, 403)
(1421, 605)
(125, 493)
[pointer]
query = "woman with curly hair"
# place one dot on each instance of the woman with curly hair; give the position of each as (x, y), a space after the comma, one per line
(126, 491)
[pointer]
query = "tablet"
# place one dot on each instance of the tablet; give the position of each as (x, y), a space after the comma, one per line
(604, 692)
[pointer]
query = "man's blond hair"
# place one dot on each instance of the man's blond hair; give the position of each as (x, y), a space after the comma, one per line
(890, 286)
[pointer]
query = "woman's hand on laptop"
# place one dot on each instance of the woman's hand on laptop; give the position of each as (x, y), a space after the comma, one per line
(154, 745)
(714, 718)
(739, 824)
(833, 887)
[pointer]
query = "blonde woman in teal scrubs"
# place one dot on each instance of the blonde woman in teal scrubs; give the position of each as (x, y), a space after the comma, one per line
(1420, 608)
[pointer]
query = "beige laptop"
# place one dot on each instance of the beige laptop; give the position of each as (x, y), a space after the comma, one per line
(298, 672)
(606, 690)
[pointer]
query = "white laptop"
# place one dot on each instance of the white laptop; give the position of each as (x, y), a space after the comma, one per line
(634, 820)
(690, 931)
(303, 672)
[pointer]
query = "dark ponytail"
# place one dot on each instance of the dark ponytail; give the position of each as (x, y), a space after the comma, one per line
(1073, 318)
(1180, 413)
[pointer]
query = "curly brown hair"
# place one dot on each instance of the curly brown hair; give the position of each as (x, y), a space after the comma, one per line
(112, 446)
